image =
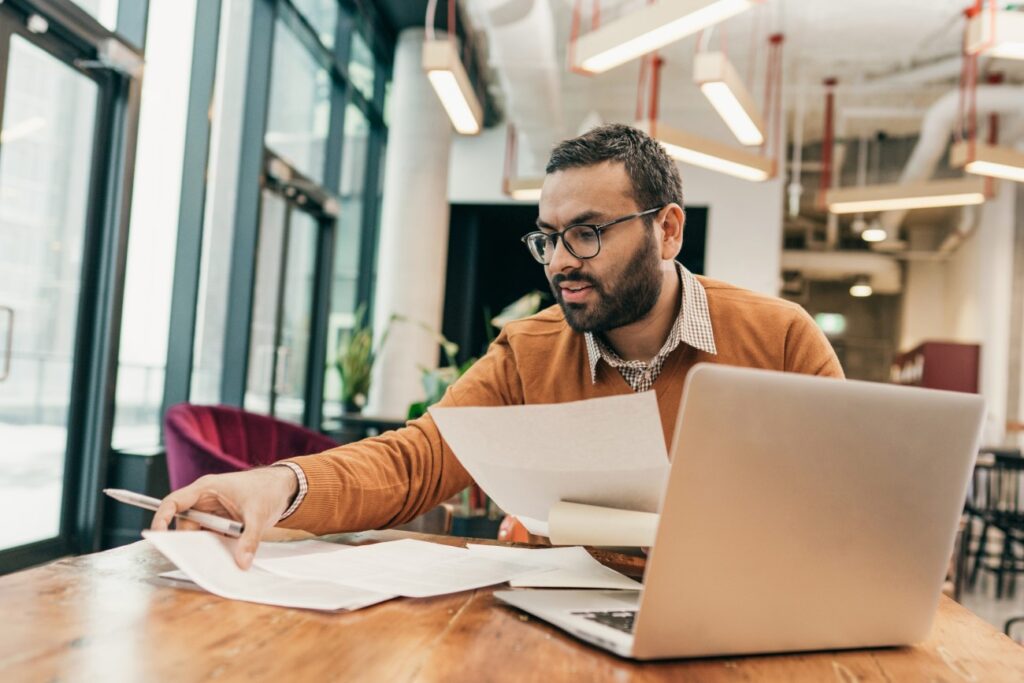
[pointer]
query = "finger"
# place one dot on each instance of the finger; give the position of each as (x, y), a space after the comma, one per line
(247, 544)
(179, 501)
(182, 524)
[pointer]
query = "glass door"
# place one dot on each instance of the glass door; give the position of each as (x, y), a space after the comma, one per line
(283, 301)
(47, 190)
(290, 381)
(263, 346)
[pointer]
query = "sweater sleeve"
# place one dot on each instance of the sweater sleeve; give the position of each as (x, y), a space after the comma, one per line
(390, 479)
(808, 350)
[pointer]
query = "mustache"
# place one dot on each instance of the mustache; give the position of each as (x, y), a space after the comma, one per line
(557, 280)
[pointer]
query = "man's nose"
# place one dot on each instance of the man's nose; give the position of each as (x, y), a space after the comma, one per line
(562, 259)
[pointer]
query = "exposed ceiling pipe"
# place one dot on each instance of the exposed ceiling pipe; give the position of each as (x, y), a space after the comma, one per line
(935, 131)
(941, 69)
(521, 38)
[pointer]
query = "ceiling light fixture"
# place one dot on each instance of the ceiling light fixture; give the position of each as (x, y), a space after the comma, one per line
(649, 29)
(996, 34)
(709, 154)
(724, 88)
(861, 288)
(451, 83)
(988, 160)
(524, 189)
(876, 233)
(906, 196)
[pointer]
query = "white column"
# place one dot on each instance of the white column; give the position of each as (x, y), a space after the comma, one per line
(974, 293)
(413, 248)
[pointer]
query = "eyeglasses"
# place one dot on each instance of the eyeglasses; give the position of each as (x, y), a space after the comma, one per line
(583, 240)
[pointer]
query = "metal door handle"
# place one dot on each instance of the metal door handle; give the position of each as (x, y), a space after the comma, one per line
(9, 349)
(280, 368)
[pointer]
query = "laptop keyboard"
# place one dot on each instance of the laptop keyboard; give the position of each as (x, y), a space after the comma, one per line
(621, 620)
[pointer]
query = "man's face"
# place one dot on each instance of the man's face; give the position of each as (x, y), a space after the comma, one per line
(622, 283)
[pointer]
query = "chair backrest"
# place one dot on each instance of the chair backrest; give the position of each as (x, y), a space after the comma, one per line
(996, 486)
(216, 439)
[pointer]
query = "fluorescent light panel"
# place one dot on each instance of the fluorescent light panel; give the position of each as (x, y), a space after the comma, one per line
(1008, 41)
(724, 88)
(524, 189)
(649, 29)
(709, 154)
(905, 196)
(861, 290)
(452, 85)
(988, 160)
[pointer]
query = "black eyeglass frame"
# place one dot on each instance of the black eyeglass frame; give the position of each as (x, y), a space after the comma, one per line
(598, 228)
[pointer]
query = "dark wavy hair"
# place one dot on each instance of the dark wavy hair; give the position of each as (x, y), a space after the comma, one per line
(653, 174)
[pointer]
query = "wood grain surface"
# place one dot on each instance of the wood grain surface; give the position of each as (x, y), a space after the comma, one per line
(103, 617)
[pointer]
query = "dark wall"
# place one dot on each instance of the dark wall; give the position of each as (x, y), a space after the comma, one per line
(489, 268)
(695, 239)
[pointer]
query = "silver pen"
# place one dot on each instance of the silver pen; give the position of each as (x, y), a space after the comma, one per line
(228, 527)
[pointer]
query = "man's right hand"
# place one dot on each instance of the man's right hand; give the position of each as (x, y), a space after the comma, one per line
(257, 498)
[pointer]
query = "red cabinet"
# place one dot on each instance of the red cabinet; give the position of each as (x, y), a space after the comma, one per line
(939, 365)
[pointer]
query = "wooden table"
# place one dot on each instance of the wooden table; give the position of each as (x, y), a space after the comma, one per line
(102, 618)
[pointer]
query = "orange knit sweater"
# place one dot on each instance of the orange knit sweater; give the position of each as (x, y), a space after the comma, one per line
(390, 479)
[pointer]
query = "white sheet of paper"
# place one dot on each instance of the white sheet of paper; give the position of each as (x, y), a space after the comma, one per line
(571, 567)
(605, 451)
(415, 569)
(206, 558)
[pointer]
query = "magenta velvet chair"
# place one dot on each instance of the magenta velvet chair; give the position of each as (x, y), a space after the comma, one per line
(216, 439)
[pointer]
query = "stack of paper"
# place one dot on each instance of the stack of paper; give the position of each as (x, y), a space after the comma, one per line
(208, 560)
(330, 576)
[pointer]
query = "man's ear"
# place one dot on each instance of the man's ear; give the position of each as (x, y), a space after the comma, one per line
(673, 223)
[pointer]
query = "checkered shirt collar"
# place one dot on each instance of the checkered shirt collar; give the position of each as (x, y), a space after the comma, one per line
(692, 326)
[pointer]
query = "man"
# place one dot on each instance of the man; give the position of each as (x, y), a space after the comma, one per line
(629, 318)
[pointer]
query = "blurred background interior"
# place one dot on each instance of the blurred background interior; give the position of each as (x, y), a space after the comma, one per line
(309, 211)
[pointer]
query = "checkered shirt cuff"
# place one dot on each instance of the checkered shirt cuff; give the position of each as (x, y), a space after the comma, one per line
(303, 486)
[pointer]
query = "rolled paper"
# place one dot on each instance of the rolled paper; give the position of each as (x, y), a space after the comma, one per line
(578, 524)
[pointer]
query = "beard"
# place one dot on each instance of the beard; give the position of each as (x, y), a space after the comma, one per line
(623, 301)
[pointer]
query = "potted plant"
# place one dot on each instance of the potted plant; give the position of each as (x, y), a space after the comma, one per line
(356, 355)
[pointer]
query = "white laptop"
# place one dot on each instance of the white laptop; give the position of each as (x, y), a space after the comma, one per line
(801, 513)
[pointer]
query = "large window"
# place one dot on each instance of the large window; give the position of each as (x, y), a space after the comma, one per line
(49, 114)
(222, 177)
(361, 66)
(154, 224)
(345, 278)
(322, 15)
(299, 108)
(65, 126)
(322, 119)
